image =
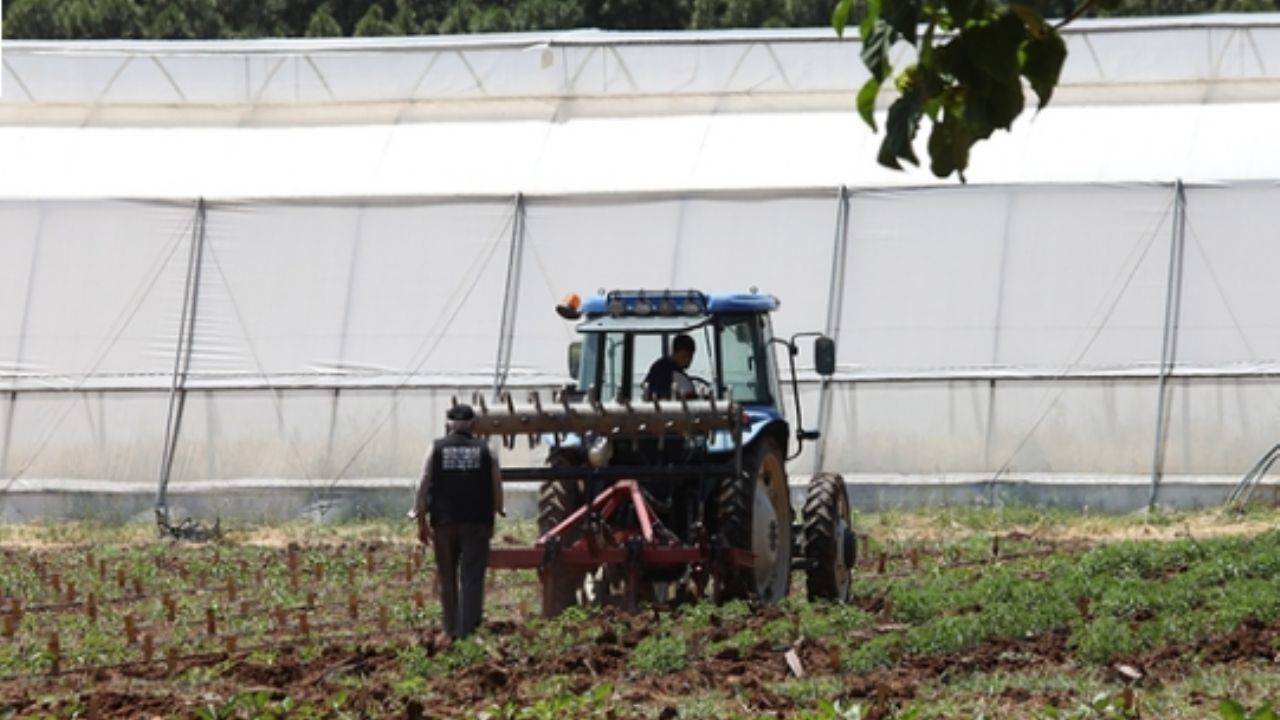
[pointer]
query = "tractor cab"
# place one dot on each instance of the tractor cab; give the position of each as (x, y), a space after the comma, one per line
(624, 333)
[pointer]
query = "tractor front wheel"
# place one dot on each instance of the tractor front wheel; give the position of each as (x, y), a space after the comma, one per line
(829, 543)
(557, 500)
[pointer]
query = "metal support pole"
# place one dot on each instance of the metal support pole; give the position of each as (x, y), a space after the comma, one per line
(1169, 347)
(835, 304)
(21, 349)
(353, 264)
(181, 362)
(998, 323)
(510, 298)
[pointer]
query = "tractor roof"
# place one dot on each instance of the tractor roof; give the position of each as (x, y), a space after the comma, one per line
(676, 302)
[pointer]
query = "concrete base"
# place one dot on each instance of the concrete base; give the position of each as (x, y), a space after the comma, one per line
(275, 500)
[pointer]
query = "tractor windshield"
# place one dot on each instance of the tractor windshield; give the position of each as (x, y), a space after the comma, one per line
(730, 354)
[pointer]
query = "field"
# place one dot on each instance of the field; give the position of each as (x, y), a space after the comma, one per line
(1007, 613)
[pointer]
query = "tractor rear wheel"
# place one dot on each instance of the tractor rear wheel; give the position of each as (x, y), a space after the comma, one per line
(755, 515)
(557, 499)
(829, 544)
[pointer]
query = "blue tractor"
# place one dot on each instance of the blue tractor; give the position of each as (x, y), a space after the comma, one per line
(653, 493)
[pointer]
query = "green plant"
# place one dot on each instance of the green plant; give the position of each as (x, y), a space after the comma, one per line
(1232, 710)
(660, 654)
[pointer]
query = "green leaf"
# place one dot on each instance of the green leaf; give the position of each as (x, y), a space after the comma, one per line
(949, 144)
(867, 102)
(983, 59)
(900, 129)
(903, 16)
(1231, 710)
(868, 23)
(840, 16)
(875, 50)
(1041, 60)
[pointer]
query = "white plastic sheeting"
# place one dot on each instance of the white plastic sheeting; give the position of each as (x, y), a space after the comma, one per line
(981, 329)
(588, 155)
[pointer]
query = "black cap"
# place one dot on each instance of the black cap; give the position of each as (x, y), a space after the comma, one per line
(461, 412)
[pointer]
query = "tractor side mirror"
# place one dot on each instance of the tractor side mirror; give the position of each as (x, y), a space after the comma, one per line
(575, 358)
(824, 356)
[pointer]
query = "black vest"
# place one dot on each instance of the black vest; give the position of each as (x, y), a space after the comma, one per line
(461, 481)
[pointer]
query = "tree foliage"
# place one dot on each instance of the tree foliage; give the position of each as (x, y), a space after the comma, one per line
(971, 59)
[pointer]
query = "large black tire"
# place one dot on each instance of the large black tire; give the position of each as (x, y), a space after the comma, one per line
(764, 471)
(557, 499)
(829, 546)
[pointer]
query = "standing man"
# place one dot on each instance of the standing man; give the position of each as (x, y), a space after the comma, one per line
(460, 491)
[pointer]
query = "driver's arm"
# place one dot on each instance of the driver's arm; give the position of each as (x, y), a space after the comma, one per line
(682, 386)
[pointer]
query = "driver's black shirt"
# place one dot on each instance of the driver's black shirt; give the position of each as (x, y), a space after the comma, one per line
(661, 374)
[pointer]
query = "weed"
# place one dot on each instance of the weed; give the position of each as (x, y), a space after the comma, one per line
(660, 654)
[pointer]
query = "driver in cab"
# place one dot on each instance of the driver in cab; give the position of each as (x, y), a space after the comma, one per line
(667, 373)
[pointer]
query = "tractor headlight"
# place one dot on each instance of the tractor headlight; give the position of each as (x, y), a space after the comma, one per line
(600, 452)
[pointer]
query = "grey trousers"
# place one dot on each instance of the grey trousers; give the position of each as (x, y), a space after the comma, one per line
(462, 555)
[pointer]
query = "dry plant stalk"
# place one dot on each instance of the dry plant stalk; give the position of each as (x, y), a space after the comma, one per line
(384, 619)
(230, 643)
(210, 622)
(880, 564)
(148, 648)
(170, 608)
(353, 606)
(130, 629)
(71, 592)
(55, 653)
(231, 589)
(91, 607)
(304, 626)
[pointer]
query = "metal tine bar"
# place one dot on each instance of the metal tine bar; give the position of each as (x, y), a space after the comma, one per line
(453, 401)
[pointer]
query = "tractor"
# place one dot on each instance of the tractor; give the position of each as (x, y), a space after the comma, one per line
(664, 494)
